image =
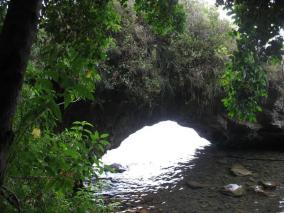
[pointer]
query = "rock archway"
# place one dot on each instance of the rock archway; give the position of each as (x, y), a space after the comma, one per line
(120, 117)
(148, 78)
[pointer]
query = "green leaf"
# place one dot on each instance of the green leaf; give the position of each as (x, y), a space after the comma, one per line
(104, 135)
(55, 109)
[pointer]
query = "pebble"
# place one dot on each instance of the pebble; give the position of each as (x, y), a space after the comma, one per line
(268, 184)
(234, 190)
(239, 170)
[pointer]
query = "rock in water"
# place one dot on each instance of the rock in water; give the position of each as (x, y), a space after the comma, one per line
(239, 170)
(117, 168)
(268, 184)
(234, 190)
(258, 189)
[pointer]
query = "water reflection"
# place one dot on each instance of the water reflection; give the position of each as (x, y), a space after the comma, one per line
(154, 158)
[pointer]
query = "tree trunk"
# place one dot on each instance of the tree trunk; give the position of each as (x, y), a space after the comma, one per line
(16, 39)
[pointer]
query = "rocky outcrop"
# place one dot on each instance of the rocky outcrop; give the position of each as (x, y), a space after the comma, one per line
(120, 118)
(148, 79)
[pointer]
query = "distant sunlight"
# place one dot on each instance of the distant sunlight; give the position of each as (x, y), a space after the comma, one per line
(222, 13)
(152, 154)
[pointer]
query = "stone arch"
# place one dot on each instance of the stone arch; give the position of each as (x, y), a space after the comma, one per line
(120, 118)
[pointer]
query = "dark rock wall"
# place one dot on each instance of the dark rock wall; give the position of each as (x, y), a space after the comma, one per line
(120, 118)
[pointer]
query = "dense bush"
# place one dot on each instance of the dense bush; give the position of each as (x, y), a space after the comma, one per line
(144, 66)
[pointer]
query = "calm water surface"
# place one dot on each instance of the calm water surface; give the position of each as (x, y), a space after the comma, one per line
(160, 158)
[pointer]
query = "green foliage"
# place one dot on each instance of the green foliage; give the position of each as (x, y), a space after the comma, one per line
(47, 166)
(131, 63)
(68, 51)
(143, 66)
(259, 43)
(245, 83)
(260, 22)
(72, 47)
(52, 165)
(197, 56)
(165, 16)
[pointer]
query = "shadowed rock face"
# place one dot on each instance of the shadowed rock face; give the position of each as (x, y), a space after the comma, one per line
(120, 117)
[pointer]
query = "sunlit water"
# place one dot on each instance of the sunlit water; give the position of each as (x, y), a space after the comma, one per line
(154, 158)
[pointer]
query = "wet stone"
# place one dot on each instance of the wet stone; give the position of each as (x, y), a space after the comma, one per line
(258, 189)
(239, 170)
(117, 168)
(234, 190)
(268, 184)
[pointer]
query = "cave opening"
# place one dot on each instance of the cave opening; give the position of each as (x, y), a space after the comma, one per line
(153, 157)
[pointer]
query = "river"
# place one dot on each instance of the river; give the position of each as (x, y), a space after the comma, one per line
(169, 168)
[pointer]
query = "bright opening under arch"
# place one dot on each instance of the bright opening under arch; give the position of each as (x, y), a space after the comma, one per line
(153, 156)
